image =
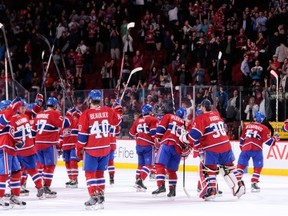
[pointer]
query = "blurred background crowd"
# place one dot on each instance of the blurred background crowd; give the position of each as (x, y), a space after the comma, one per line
(177, 42)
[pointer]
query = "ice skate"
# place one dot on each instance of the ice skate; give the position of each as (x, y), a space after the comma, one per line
(4, 204)
(68, 183)
(16, 202)
(140, 186)
(24, 191)
(49, 193)
(172, 192)
(210, 194)
(91, 204)
(255, 187)
(111, 179)
(41, 193)
(241, 190)
(161, 191)
(101, 200)
(72, 184)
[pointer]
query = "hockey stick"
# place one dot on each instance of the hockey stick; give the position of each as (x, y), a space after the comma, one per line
(172, 94)
(135, 70)
(51, 49)
(129, 25)
(218, 64)
(184, 180)
(277, 98)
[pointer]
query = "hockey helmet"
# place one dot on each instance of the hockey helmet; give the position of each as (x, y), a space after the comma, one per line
(4, 104)
(95, 95)
(52, 102)
(146, 108)
(259, 117)
(181, 112)
(207, 104)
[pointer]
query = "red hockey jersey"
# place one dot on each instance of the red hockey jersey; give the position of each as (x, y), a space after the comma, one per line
(69, 136)
(94, 130)
(144, 129)
(114, 131)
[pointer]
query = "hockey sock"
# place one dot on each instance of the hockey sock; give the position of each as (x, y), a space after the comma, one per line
(172, 178)
(36, 177)
(3, 179)
(138, 171)
(24, 177)
(15, 183)
(68, 169)
(145, 172)
(100, 180)
(160, 174)
(111, 167)
(91, 182)
(48, 173)
(256, 174)
(240, 171)
(74, 170)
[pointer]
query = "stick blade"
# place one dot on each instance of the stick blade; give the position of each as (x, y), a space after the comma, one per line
(130, 25)
(136, 70)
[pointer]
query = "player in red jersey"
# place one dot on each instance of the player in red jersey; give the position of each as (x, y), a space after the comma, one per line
(170, 151)
(9, 164)
(208, 135)
(26, 151)
(94, 144)
(252, 139)
(144, 130)
(47, 126)
(69, 137)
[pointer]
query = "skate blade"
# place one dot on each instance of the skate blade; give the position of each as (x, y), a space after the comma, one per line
(140, 190)
(24, 194)
(95, 207)
(241, 192)
(159, 195)
(210, 198)
(71, 186)
(51, 196)
(171, 198)
(16, 206)
(42, 197)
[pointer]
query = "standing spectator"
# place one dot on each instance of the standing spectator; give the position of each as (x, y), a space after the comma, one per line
(199, 75)
(281, 52)
(250, 109)
(78, 63)
(128, 44)
(226, 72)
(245, 69)
(94, 146)
(115, 44)
(256, 72)
(223, 101)
(252, 139)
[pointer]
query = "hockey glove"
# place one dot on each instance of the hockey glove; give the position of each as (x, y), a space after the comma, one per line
(71, 111)
(183, 137)
(39, 100)
(79, 153)
(186, 152)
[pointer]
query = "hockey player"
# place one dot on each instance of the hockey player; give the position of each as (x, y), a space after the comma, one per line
(252, 139)
(47, 125)
(144, 130)
(26, 151)
(9, 164)
(209, 136)
(94, 145)
(114, 131)
(170, 151)
(69, 137)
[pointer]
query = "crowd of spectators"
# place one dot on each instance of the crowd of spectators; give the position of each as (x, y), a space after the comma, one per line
(220, 49)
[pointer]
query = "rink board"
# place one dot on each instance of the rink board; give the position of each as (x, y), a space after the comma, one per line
(275, 158)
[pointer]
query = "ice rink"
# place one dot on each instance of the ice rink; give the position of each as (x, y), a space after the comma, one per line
(122, 199)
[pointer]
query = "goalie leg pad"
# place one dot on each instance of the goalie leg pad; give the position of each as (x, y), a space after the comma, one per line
(208, 183)
(237, 187)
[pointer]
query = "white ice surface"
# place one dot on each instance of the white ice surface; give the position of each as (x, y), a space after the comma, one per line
(122, 199)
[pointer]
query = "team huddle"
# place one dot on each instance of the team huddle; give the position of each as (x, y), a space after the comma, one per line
(31, 137)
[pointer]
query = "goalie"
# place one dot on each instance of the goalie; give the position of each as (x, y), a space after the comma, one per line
(208, 133)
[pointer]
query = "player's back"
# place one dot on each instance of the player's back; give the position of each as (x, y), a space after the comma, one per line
(144, 129)
(253, 136)
(209, 129)
(47, 126)
(94, 129)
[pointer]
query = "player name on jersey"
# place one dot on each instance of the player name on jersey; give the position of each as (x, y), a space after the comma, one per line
(98, 115)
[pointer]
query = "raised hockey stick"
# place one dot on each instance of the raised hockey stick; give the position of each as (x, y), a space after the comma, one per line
(172, 94)
(135, 70)
(129, 25)
(184, 179)
(218, 64)
(277, 98)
